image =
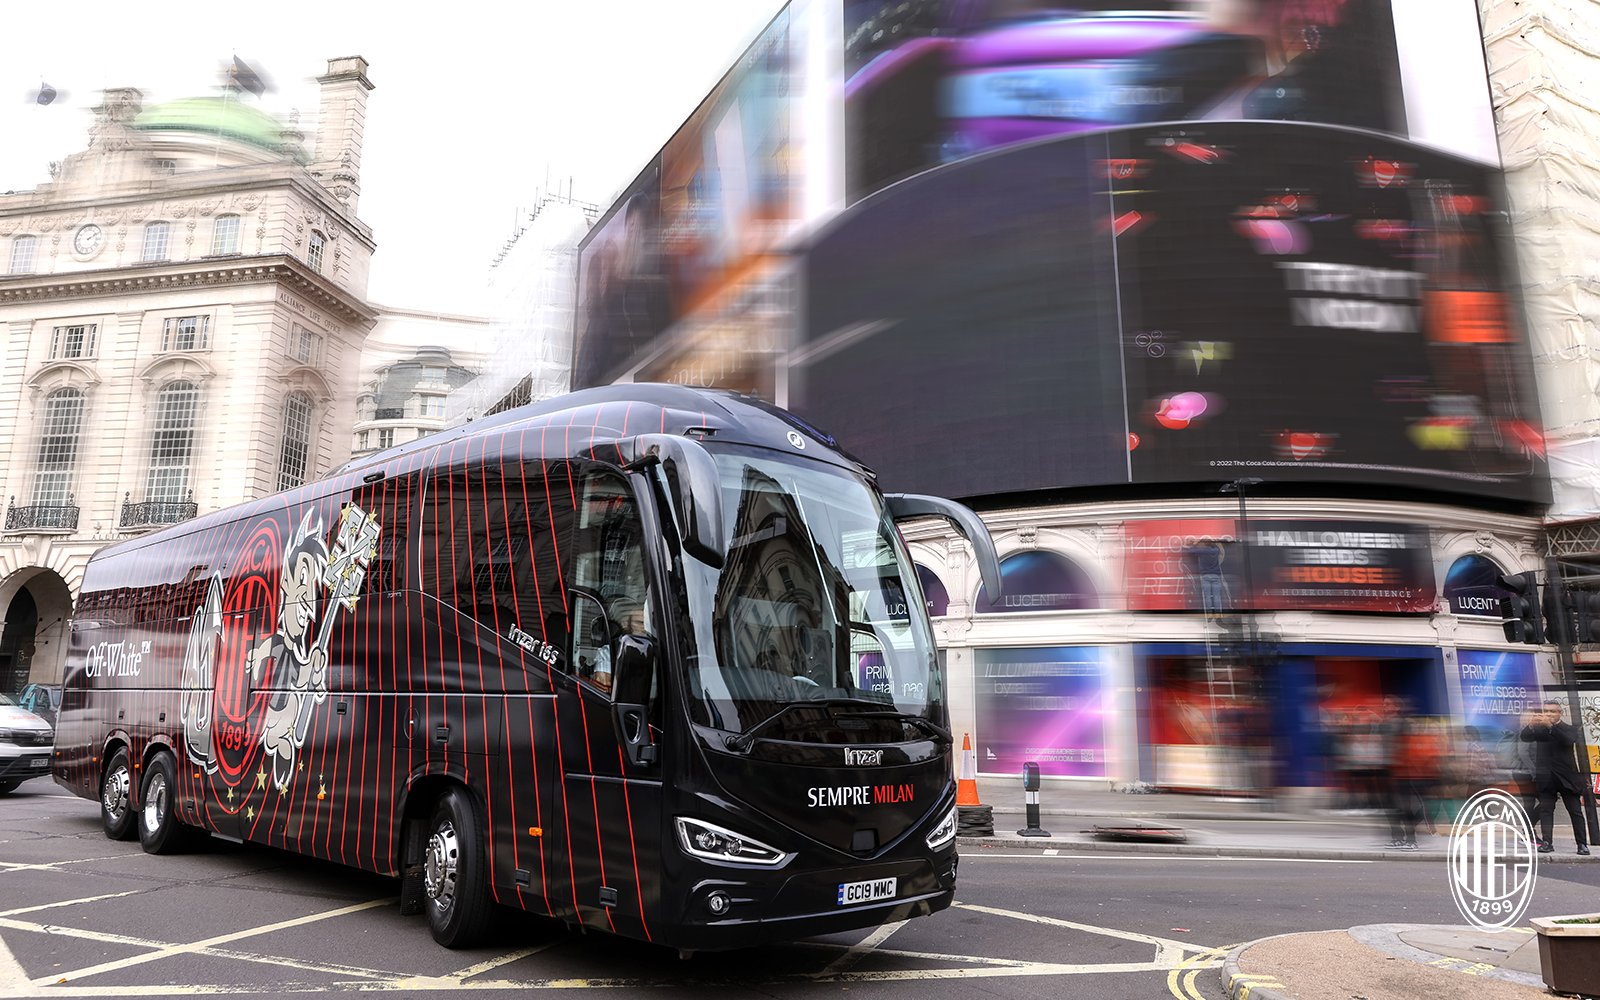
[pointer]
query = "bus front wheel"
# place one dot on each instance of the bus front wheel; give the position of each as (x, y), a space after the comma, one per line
(116, 812)
(159, 831)
(454, 872)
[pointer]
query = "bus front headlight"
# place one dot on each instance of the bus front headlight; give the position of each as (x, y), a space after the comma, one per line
(944, 832)
(714, 843)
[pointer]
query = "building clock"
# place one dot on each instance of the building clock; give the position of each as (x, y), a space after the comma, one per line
(88, 240)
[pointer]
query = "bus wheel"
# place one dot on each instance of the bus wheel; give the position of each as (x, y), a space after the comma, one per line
(454, 872)
(159, 831)
(116, 813)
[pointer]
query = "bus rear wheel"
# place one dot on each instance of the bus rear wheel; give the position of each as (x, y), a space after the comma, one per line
(159, 829)
(116, 812)
(454, 872)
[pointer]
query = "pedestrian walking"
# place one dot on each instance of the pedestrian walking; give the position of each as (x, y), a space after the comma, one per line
(1405, 773)
(1516, 758)
(1556, 774)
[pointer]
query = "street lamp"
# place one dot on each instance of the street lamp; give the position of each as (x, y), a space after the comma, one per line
(1240, 486)
(1247, 625)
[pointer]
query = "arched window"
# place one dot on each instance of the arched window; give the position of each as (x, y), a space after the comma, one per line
(1470, 586)
(155, 241)
(1039, 581)
(225, 235)
(933, 590)
(58, 447)
(172, 442)
(296, 448)
(314, 250)
(22, 249)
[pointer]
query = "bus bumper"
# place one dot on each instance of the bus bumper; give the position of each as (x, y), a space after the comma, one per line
(789, 905)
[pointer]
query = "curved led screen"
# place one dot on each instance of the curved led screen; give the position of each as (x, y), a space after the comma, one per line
(1171, 304)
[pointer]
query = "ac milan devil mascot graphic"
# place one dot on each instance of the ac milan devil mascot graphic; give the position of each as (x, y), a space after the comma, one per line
(284, 674)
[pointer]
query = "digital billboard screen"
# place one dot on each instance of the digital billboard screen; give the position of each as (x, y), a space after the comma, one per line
(929, 82)
(689, 237)
(1177, 303)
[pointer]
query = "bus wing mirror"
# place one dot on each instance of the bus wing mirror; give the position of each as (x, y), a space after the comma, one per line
(696, 492)
(631, 679)
(910, 506)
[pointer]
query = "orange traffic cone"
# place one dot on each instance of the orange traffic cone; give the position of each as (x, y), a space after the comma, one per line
(967, 774)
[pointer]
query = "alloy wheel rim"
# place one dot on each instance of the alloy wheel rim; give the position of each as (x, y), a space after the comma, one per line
(439, 865)
(114, 796)
(155, 802)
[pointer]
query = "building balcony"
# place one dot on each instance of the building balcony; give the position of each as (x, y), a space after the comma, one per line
(155, 513)
(42, 518)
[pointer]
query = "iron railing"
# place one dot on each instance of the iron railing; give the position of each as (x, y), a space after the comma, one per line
(148, 513)
(42, 516)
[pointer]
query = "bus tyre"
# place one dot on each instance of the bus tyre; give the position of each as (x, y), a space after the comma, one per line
(116, 803)
(454, 872)
(159, 830)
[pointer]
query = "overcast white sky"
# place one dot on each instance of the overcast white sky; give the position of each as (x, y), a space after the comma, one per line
(473, 100)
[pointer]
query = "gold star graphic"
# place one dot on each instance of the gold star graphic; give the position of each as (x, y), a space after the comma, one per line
(322, 791)
(302, 766)
(261, 777)
(250, 812)
(230, 796)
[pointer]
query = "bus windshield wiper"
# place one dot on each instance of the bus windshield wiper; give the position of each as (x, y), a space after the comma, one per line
(932, 728)
(742, 742)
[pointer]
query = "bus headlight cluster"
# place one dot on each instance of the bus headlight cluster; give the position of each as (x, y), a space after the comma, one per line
(944, 832)
(714, 843)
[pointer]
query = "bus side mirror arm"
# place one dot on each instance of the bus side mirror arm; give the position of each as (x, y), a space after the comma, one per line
(910, 506)
(694, 487)
(631, 678)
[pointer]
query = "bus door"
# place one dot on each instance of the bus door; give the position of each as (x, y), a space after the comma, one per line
(613, 803)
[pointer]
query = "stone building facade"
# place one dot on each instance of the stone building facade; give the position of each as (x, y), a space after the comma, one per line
(182, 312)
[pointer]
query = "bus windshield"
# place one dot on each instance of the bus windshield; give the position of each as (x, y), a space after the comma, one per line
(817, 601)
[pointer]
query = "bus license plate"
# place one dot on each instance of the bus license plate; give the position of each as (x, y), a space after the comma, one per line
(851, 893)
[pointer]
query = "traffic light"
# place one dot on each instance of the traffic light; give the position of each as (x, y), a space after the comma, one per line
(1519, 613)
(1585, 615)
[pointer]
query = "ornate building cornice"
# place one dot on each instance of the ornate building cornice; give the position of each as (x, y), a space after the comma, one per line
(45, 201)
(279, 269)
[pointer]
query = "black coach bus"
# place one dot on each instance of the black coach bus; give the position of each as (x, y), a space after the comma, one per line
(646, 659)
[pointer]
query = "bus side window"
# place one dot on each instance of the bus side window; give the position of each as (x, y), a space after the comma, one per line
(489, 547)
(389, 504)
(609, 563)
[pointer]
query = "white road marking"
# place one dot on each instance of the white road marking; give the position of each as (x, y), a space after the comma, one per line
(1168, 951)
(495, 963)
(13, 866)
(1051, 852)
(859, 950)
(185, 949)
(12, 974)
(68, 902)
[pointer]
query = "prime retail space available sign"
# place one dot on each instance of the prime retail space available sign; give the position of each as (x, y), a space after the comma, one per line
(1044, 704)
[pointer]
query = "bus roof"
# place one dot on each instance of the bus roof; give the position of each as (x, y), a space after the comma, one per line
(591, 423)
(592, 418)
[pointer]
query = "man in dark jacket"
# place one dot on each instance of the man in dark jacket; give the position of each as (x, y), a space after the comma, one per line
(1555, 773)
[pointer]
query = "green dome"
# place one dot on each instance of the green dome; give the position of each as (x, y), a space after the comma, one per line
(229, 117)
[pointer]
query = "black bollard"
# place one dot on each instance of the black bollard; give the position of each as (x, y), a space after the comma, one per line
(1030, 792)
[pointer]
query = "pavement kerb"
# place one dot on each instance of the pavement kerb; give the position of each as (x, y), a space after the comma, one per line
(1241, 985)
(1226, 851)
